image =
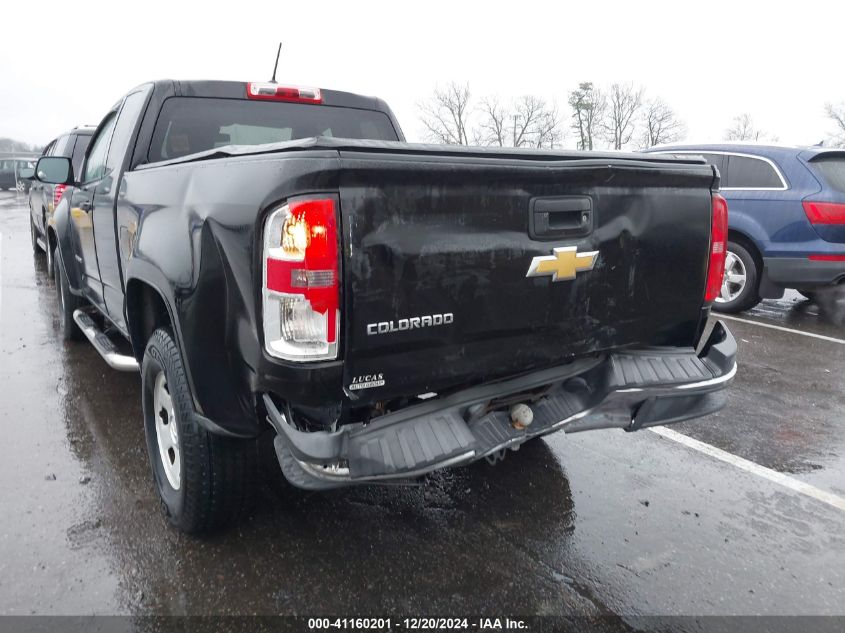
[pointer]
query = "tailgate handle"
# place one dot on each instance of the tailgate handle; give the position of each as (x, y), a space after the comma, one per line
(560, 216)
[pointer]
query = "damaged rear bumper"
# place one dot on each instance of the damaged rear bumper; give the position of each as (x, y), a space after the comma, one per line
(627, 390)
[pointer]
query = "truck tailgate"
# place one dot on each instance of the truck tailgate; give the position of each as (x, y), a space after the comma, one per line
(438, 247)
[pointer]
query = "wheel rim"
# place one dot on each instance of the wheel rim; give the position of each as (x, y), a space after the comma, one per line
(733, 283)
(19, 187)
(167, 434)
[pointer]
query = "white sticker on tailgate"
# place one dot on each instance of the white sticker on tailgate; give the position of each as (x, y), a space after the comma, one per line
(366, 381)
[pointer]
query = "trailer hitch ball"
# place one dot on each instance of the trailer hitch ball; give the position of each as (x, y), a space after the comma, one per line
(521, 416)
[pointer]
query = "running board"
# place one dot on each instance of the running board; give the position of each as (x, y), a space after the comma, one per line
(103, 344)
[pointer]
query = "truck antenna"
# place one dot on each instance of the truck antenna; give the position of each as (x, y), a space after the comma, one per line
(276, 65)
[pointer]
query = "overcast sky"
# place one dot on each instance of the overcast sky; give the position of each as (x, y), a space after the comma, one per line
(65, 63)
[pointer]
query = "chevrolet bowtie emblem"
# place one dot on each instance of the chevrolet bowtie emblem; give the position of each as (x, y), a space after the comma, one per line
(565, 263)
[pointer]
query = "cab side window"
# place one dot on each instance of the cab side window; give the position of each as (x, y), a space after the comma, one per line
(95, 164)
(126, 121)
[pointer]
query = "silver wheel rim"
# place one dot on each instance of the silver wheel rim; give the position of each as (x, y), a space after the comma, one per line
(167, 433)
(733, 283)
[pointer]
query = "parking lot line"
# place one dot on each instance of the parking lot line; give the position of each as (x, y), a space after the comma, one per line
(761, 471)
(783, 329)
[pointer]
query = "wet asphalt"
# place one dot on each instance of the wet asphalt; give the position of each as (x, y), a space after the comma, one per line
(591, 524)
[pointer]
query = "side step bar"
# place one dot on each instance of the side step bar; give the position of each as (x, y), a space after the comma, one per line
(103, 344)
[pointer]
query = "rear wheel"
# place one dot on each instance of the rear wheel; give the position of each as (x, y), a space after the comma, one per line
(741, 283)
(203, 480)
(33, 234)
(68, 302)
(50, 249)
(51, 259)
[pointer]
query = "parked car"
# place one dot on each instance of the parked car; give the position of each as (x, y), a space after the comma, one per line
(787, 219)
(381, 309)
(43, 197)
(10, 169)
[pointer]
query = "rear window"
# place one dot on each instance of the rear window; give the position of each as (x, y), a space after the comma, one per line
(832, 171)
(187, 125)
(745, 172)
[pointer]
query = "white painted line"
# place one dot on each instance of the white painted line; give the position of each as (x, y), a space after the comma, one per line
(782, 329)
(761, 471)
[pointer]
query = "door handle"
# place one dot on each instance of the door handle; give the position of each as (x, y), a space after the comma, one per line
(557, 217)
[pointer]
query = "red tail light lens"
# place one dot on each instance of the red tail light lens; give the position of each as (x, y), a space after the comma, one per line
(824, 212)
(718, 248)
(58, 192)
(301, 281)
(275, 92)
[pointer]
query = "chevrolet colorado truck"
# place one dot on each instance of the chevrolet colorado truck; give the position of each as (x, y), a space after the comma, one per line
(277, 259)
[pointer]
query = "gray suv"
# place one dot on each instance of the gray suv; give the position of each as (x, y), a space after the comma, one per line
(44, 197)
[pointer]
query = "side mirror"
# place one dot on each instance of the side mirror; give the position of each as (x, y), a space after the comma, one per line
(54, 170)
(27, 173)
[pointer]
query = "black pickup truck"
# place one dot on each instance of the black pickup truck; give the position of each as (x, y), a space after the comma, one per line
(278, 260)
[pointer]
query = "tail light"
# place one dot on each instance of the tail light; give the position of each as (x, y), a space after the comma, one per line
(718, 248)
(301, 300)
(275, 92)
(824, 212)
(58, 192)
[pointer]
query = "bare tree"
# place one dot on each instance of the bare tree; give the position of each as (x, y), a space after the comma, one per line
(588, 105)
(492, 125)
(836, 113)
(11, 145)
(445, 115)
(623, 104)
(527, 112)
(660, 124)
(529, 122)
(743, 129)
(549, 131)
(535, 123)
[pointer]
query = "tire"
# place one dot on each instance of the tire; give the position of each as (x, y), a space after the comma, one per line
(33, 234)
(204, 481)
(51, 259)
(743, 292)
(68, 302)
(809, 294)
